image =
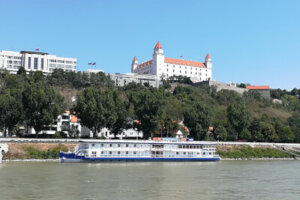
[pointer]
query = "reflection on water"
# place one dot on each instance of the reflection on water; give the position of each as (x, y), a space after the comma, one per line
(147, 180)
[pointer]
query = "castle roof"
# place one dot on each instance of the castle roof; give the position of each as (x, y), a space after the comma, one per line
(158, 45)
(184, 62)
(207, 56)
(144, 64)
(258, 87)
(134, 58)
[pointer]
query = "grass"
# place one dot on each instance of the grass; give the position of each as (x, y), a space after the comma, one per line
(249, 152)
(34, 153)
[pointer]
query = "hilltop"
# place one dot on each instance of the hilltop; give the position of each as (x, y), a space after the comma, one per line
(224, 115)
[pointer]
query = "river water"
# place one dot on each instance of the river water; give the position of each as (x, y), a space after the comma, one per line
(158, 180)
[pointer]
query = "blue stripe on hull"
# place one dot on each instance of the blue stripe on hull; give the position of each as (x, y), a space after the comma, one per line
(71, 157)
(150, 159)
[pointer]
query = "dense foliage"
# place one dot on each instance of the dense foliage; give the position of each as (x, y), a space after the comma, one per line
(250, 152)
(35, 100)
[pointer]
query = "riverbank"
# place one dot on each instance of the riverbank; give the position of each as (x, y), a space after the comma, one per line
(21, 149)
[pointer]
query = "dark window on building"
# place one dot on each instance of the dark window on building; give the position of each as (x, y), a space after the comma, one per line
(29, 62)
(35, 64)
(42, 64)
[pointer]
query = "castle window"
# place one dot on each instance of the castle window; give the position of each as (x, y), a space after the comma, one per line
(173, 70)
(185, 71)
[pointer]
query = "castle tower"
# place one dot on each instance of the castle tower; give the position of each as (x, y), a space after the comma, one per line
(158, 59)
(208, 62)
(134, 64)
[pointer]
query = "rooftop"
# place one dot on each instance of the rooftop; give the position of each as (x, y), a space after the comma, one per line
(258, 87)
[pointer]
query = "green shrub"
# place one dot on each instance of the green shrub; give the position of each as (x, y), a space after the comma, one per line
(249, 152)
(34, 153)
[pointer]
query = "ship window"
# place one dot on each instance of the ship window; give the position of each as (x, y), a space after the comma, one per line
(126, 145)
(126, 152)
(93, 145)
(119, 152)
(177, 153)
(102, 152)
(102, 145)
(203, 153)
(134, 145)
(134, 152)
(110, 145)
(209, 153)
(184, 153)
(119, 145)
(110, 152)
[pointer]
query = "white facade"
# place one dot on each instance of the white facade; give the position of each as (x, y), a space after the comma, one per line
(35, 61)
(93, 71)
(64, 122)
(127, 133)
(164, 67)
(124, 79)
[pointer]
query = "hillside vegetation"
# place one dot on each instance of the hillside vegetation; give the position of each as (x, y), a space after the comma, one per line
(36, 100)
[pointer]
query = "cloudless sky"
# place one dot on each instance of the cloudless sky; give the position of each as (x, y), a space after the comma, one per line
(254, 41)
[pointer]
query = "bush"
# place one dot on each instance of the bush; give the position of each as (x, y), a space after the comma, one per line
(34, 153)
(249, 152)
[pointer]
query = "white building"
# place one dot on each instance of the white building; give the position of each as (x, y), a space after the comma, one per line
(123, 79)
(35, 61)
(65, 122)
(126, 133)
(93, 71)
(164, 67)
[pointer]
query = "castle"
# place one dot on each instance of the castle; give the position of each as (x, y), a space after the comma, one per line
(164, 67)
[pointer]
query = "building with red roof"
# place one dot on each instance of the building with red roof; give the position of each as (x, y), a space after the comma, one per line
(164, 67)
(263, 90)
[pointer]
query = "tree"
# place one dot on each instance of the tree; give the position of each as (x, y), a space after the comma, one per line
(42, 104)
(238, 117)
(287, 134)
(245, 134)
(98, 109)
(10, 112)
(148, 105)
(294, 123)
(197, 119)
(220, 133)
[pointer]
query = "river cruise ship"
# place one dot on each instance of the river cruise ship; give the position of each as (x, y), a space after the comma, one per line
(159, 149)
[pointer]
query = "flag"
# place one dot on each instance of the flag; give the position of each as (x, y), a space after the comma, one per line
(37, 49)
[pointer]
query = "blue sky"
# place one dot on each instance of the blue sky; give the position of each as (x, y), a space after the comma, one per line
(256, 42)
